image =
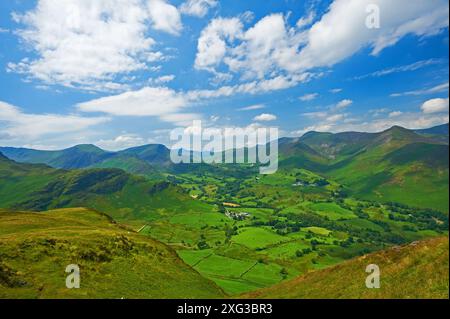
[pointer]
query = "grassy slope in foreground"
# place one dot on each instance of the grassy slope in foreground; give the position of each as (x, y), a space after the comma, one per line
(35, 249)
(418, 270)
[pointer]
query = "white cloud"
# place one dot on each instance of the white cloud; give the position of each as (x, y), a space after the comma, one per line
(253, 87)
(253, 107)
(212, 44)
(436, 89)
(169, 105)
(395, 114)
(435, 106)
(271, 47)
(343, 104)
(2, 30)
(329, 117)
(88, 44)
(154, 56)
(309, 97)
(335, 118)
(339, 34)
(25, 126)
(259, 51)
(265, 117)
(197, 8)
(164, 16)
(306, 21)
(335, 91)
(163, 79)
(148, 101)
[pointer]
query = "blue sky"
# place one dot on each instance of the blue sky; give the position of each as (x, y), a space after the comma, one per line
(123, 73)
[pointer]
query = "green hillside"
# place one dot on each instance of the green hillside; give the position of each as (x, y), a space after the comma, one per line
(114, 262)
(386, 166)
(155, 154)
(418, 270)
(121, 195)
(397, 165)
(131, 165)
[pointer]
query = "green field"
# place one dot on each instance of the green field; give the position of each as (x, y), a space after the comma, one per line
(257, 238)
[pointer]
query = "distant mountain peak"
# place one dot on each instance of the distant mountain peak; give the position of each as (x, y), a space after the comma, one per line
(396, 128)
(398, 131)
(87, 148)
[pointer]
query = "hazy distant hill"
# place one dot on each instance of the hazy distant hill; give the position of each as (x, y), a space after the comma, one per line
(418, 270)
(437, 130)
(140, 160)
(79, 156)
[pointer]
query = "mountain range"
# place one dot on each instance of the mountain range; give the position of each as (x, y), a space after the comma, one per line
(377, 166)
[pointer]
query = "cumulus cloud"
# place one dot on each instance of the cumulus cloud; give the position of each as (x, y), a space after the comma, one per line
(271, 47)
(197, 8)
(164, 16)
(212, 45)
(435, 106)
(256, 52)
(339, 35)
(88, 44)
(265, 117)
